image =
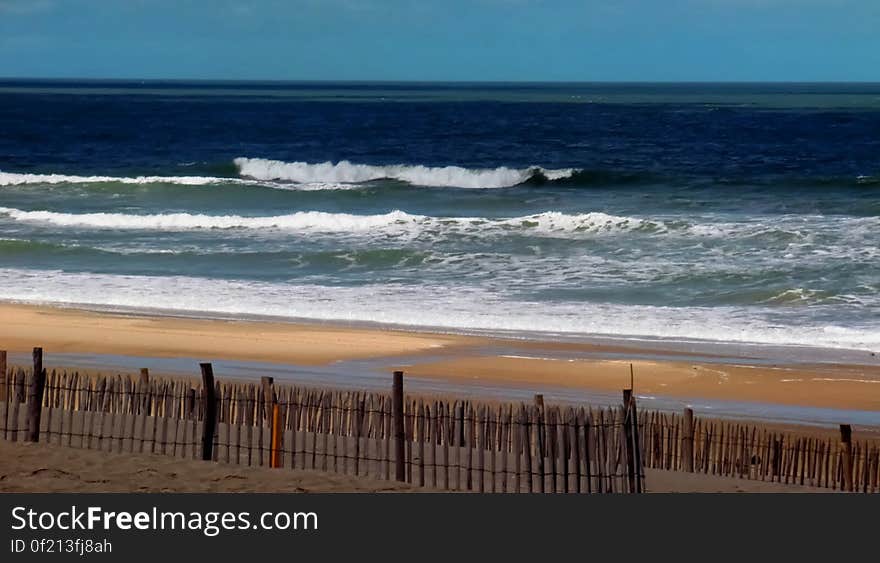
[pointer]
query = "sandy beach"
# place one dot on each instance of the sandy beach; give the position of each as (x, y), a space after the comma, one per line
(460, 359)
(29, 467)
(44, 468)
(836, 386)
(77, 331)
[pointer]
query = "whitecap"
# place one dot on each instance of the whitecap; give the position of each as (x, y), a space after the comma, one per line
(431, 176)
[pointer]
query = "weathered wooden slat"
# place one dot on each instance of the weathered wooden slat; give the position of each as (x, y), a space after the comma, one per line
(458, 439)
(420, 440)
(540, 444)
(479, 445)
(4, 388)
(446, 435)
(389, 437)
(564, 449)
(505, 421)
(357, 414)
(526, 430)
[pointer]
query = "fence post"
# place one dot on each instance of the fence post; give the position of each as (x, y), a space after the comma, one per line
(143, 386)
(846, 442)
(637, 446)
(35, 403)
(268, 385)
(272, 416)
(628, 435)
(189, 406)
(539, 440)
(397, 407)
(210, 410)
(687, 441)
(275, 457)
(5, 385)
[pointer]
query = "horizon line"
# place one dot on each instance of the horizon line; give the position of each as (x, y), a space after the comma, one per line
(419, 81)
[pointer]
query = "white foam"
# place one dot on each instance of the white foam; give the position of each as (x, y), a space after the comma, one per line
(593, 222)
(444, 306)
(306, 220)
(847, 379)
(799, 229)
(349, 173)
(797, 294)
(13, 179)
(540, 358)
(550, 223)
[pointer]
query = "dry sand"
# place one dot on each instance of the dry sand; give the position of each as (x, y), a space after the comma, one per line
(660, 481)
(465, 358)
(26, 467)
(45, 468)
(74, 331)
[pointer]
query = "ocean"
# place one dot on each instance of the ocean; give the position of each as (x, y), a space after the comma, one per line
(744, 213)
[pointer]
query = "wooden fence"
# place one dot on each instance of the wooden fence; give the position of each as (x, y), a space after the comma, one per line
(732, 449)
(443, 444)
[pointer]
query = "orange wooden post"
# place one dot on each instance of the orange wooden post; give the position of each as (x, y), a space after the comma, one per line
(275, 460)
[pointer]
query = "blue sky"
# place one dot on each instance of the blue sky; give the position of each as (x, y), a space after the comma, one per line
(590, 40)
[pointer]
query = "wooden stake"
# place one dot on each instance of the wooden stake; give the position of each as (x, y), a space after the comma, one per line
(846, 443)
(637, 461)
(525, 429)
(268, 386)
(35, 400)
(628, 434)
(539, 401)
(539, 443)
(4, 384)
(687, 441)
(399, 446)
(264, 418)
(210, 410)
(277, 433)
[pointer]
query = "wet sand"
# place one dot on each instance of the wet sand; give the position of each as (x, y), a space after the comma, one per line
(830, 386)
(466, 361)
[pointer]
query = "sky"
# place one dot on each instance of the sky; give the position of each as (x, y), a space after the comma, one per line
(469, 40)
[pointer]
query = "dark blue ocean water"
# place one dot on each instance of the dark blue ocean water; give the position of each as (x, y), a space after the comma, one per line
(747, 212)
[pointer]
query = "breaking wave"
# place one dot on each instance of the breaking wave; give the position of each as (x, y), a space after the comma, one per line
(13, 179)
(345, 175)
(548, 223)
(346, 172)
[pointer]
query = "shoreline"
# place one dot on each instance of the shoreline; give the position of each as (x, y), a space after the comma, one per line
(714, 350)
(467, 362)
(74, 330)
